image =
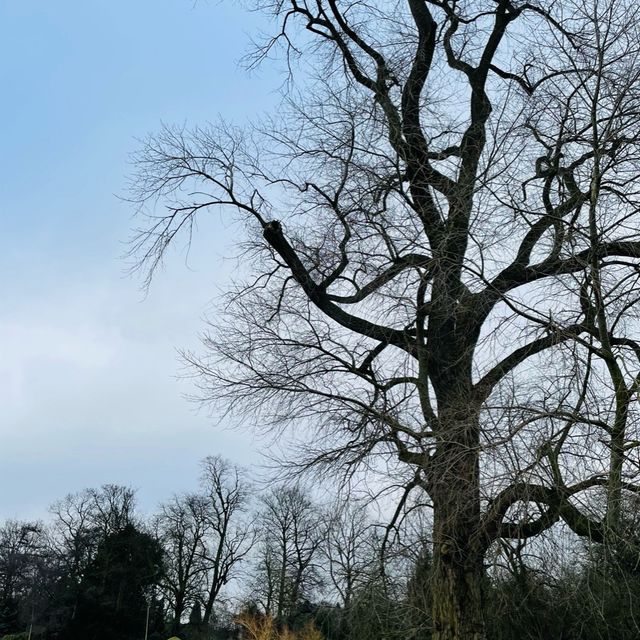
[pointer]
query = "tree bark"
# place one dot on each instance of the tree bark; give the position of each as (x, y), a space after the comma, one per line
(457, 582)
(457, 588)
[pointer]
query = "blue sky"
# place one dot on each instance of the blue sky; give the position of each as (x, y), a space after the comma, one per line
(88, 364)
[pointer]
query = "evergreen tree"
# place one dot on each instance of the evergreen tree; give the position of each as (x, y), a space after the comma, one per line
(116, 586)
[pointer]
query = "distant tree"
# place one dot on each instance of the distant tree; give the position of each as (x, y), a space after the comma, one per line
(205, 539)
(81, 522)
(291, 531)
(348, 549)
(228, 536)
(22, 546)
(181, 528)
(264, 584)
(116, 586)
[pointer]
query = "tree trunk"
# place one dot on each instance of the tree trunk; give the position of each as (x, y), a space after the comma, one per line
(208, 609)
(457, 585)
(211, 598)
(178, 612)
(458, 571)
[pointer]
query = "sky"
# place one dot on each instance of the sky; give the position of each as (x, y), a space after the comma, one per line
(90, 386)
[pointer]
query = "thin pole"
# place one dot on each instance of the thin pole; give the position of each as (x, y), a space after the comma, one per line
(146, 627)
(33, 606)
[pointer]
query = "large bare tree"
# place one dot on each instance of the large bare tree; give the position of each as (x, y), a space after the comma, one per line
(442, 229)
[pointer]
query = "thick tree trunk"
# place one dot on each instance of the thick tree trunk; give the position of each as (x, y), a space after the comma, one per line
(457, 585)
(458, 572)
(178, 612)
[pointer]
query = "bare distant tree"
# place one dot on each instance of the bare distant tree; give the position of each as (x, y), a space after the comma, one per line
(264, 580)
(81, 520)
(229, 537)
(204, 538)
(446, 283)
(349, 549)
(181, 528)
(290, 534)
(112, 507)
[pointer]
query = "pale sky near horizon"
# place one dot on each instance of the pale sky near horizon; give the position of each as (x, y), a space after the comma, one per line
(88, 364)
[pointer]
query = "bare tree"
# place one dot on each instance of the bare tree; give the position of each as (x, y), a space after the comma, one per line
(446, 285)
(229, 538)
(348, 548)
(264, 580)
(99, 511)
(204, 539)
(290, 534)
(81, 521)
(74, 532)
(181, 528)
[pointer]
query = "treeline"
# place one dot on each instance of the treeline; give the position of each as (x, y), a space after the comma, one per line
(278, 566)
